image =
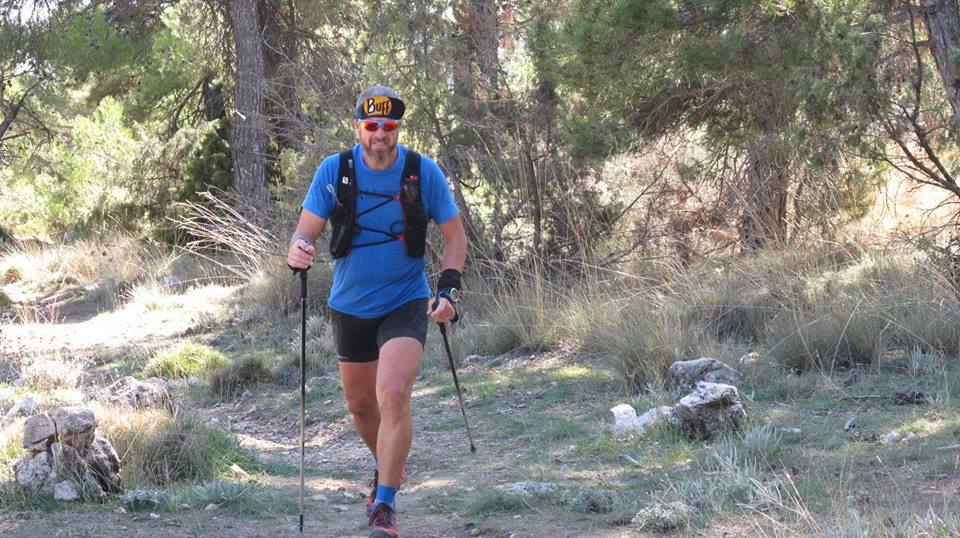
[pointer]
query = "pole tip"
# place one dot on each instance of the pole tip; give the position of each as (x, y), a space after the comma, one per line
(473, 449)
(301, 523)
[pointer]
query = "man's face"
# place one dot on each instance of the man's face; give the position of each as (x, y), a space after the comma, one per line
(375, 138)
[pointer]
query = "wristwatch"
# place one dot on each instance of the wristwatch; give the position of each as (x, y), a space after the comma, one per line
(450, 294)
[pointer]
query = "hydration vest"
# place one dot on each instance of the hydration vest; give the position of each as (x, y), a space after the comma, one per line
(344, 219)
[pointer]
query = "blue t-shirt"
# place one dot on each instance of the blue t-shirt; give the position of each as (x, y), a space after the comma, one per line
(373, 281)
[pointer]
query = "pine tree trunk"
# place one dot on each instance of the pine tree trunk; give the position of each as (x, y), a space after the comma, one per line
(280, 54)
(942, 18)
(764, 217)
(248, 140)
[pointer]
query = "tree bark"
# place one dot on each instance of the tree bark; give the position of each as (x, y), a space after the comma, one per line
(764, 217)
(942, 19)
(248, 140)
(280, 52)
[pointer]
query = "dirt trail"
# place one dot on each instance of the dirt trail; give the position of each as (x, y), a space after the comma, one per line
(442, 473)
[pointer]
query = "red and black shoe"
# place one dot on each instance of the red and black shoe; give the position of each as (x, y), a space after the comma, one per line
(373, 489)
(383, 522)
(373, 492)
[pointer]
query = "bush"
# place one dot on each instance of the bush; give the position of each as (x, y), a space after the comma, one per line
(158, 449)
(186, 360)
(228, 380)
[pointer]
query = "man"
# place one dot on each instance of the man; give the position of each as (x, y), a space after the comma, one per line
(380, 300)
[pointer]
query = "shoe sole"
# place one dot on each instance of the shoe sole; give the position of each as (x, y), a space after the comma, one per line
(382, 534)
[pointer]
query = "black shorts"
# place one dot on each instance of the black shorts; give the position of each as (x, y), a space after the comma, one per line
(359, 339)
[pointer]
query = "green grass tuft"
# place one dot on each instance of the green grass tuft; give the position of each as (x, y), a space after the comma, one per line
(230, 379)
(158, 449)
(186, 360)
(245, 498)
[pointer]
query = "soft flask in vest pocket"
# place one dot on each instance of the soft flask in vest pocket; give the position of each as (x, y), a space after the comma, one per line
(341, 231)
(414, 218)
(343, 220)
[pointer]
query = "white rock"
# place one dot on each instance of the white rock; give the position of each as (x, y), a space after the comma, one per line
(710, 408)
(66, 491)
(623, 418)
(211, 507)
(909, 437)
(154, 516)
(654, 417)
(891, 437)
(320, 497)
(239, 471)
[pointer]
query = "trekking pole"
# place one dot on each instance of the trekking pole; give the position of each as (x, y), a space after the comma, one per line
(303, 375)
(456, 382)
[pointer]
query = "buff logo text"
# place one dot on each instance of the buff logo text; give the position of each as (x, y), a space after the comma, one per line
(379, 106)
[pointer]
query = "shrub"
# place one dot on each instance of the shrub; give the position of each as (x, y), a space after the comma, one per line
(229, 379)
(186, 360)
(158, 449)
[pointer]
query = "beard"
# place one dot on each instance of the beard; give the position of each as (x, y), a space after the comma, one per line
(379, 153)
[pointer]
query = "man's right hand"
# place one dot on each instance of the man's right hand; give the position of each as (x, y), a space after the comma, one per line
(300, 255)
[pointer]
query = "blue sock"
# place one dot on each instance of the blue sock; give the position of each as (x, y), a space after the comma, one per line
(385, 494)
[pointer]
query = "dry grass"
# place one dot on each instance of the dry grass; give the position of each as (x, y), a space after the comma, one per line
(159, 449)
(816, 308)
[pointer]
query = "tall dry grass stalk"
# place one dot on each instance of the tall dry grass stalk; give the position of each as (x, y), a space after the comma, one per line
(816, 308)
(253, 252)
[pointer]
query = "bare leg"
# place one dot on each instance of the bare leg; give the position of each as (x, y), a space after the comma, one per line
(399, 363)
(359, 380)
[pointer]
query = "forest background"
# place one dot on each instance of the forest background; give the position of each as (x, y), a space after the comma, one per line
(642, 180)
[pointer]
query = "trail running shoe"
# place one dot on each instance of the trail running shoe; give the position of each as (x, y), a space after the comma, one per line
(383, 522)
(373, 493)
(373, 489)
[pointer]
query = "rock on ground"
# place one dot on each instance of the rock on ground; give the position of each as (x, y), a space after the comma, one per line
(105, 464)
(528, 488)
(625, 420)
(66, 490)
(710, 408)
(25, 407)
(131, 392)
(686, 374)
(38, 432)
(66, 462)
(664, 517)
(63, 448)
(76, 427)
(33, 473)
